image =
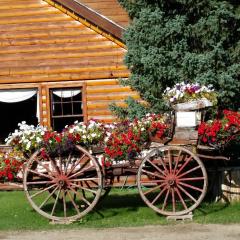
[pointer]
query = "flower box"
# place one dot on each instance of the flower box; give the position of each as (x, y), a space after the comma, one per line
(192, 105)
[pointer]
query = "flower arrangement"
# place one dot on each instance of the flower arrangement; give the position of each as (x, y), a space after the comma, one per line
(87, 134)
(219, 133)
(157, 125)
(121, 141)
(186, 92)
(10, 165)
(27, 138)
(128, 139)
(125, 142)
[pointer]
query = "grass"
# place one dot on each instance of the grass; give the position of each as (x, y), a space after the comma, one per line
(120, 208)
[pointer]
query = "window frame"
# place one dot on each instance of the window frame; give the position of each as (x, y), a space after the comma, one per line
(65, 85)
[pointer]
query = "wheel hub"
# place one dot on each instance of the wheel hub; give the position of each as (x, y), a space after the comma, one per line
(62, 181)
(171, 180)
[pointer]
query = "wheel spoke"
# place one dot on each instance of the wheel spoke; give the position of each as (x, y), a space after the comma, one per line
(40, 174)
(83, 179)
(78, 162)
(189, 171)
(153, 174)
(60, 164)
(180, 197)
(73, 203)
(81, 170)
(42, 191)
(177, 161)
(173, 200)
(67, 164)
(184, 165)
(44, 166)
(54, 165)
(80, 196)
(155, 166)
(165, 200)
(154, 188)
(64, 204)
(55, 203)
(192, 179)
(39, 182)
(83, 188)
(164, 165)
(187, 193)
(159, 195)
(170, 161)
(190, 186)
(89, 187)
(48, 197)
(153, 181)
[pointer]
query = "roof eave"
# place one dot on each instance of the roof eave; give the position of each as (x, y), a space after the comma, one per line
(93, 17)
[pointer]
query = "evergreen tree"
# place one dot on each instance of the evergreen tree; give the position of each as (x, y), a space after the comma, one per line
(171, 41)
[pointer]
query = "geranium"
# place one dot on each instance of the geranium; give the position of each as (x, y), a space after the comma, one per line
(10, 165)
(220, 132)
(157, 125)
(27, 138)
(125, 142)
(183, 92)
(128, 139)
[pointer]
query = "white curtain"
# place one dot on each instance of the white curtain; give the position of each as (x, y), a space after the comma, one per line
(16, 95)
(19, 95)
(66, 93)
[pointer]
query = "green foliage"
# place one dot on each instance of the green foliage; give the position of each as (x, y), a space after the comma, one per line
(134, 110)
(171, 41)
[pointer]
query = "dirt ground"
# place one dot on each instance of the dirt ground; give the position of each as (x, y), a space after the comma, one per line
(180, 231)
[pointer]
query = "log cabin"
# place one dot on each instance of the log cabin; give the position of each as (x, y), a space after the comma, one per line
(61, 61)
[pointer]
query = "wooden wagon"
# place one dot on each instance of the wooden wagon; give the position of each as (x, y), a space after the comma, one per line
(171, 178)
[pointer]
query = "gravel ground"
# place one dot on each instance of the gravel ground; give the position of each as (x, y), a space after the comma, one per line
(185, 231)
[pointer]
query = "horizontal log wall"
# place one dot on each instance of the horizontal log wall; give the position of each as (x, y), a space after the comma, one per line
(40, 43)
(100, 94)
(43, 47)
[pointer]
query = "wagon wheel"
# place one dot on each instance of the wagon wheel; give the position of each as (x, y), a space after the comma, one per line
(172, 180)
(63, 188)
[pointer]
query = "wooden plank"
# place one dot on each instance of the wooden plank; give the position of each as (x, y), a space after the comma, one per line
(105, 105)
(45, 33)
(65, 76)
(41, 18)
(113, 97)
(102, 52)
(108, 89)
(28, 12)
(66, 24)
(57, 69)
(17, 5)
(86, 61)
(51, 40)
(57, 47)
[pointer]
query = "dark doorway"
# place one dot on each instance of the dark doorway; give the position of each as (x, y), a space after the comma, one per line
(14, 113)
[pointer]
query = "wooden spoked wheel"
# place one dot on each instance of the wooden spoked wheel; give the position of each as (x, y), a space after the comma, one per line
(172, 180)
(63, 188)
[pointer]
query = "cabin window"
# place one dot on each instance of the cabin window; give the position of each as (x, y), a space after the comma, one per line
(17, 105)
(66, 107)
